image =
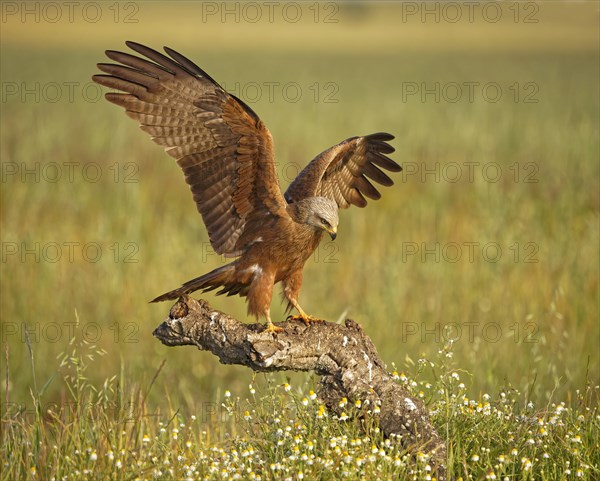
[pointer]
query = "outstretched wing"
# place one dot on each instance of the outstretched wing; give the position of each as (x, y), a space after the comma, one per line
(223, 148)
(342, 172)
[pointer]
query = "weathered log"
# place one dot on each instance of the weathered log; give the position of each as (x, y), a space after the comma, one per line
(343, 354)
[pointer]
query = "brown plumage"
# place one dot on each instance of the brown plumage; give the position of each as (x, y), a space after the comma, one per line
(226, 154)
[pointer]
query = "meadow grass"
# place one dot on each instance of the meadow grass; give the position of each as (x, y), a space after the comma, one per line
(524, 323)
(275, 430)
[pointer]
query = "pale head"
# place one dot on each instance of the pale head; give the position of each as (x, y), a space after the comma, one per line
(321, 213)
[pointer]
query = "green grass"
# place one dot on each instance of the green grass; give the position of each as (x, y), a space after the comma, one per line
(274, 430)
(529, 330)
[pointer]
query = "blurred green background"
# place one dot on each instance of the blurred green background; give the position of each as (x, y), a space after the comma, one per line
(495, 113)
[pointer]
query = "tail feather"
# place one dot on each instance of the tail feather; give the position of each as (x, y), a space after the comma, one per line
(220, 277)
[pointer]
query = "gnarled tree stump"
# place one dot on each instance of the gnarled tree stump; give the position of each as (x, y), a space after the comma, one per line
(343, 354)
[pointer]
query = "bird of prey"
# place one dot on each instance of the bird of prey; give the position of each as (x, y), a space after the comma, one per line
(226, 154)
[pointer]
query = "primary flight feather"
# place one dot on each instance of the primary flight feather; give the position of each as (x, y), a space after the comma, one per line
(226, 154)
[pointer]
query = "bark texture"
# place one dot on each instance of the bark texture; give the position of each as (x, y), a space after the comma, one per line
(343, 355)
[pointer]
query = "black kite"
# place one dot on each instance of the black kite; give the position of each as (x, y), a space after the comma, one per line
(226, 153)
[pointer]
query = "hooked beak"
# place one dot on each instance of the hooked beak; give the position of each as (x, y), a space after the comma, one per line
(333, 233)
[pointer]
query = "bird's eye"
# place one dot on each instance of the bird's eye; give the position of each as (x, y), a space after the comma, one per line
(324, 222)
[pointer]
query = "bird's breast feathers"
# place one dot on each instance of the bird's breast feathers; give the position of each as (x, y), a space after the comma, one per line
(282, 254)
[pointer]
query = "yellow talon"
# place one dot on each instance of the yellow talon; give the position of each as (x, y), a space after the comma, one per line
(307, 319)
(302, 316)
(270, 327)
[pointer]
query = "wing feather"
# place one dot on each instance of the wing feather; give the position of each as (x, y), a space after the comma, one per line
(223, 148)
(342, 172)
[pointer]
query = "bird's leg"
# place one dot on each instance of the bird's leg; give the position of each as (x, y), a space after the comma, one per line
(259, 298)
(303, 316)
(272, 327)
(291, 290)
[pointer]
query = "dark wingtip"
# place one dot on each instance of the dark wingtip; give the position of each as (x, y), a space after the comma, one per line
(111, 54)
(189, 65)
(169, 50)
(394, 166)
(131, 44)
(381, 136)
(140, 48)
(163, 297)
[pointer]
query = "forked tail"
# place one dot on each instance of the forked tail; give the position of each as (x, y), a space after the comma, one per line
(220, 277)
